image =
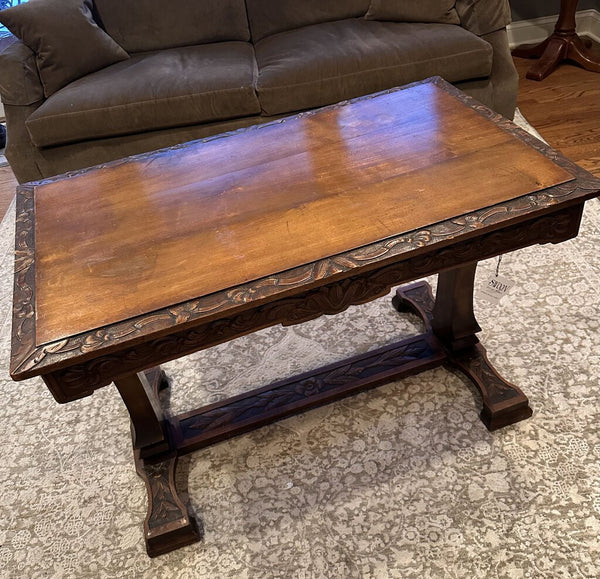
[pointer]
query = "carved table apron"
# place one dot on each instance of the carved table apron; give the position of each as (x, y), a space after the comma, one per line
(127, 351)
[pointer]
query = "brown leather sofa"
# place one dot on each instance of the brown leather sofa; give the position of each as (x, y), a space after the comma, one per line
(90, 81)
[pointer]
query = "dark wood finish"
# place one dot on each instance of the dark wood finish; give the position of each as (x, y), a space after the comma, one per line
(169, 523)
(312, 186)
(30, 359)
(503, 402)
(220, 421)
(564, 44)
(453, 318)
(76, 365)
(227, 316)
(147, 418)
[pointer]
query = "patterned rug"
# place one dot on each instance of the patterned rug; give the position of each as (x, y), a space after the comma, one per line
(401, 482)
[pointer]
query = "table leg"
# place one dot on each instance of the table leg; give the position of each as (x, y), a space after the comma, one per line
(454, 324)
(147, 419)
(169, 523)
(563, 44)
(453, 320)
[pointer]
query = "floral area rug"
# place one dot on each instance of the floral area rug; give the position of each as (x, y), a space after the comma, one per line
(401, 482)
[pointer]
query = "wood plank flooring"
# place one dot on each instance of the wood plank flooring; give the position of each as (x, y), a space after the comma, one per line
(7, 188)
(564, 108)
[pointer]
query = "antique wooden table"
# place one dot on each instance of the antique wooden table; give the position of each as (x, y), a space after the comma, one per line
(128, 265)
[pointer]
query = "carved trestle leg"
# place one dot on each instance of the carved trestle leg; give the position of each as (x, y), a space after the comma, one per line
(169, 524)
(453, 322)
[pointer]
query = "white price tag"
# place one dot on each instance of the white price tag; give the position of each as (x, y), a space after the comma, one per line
(495, 288)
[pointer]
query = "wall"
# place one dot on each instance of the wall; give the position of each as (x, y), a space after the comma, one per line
(528, 9)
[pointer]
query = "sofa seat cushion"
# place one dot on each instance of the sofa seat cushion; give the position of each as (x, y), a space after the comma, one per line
(325, 63)
(151, 91)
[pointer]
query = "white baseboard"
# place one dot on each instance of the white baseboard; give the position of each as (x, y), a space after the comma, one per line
(538, 29)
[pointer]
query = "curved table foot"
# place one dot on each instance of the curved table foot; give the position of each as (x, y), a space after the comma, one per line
(579, 52)
(553, 53)
(416, 298)
(169, 524)
(563, 44)
(503, 402)
(555, 50)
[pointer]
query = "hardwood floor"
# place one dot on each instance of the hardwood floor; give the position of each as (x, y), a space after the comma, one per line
(7, 188)
(564, 108)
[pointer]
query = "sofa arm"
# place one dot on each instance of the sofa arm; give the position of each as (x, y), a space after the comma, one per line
(483, 16)
(20, 82)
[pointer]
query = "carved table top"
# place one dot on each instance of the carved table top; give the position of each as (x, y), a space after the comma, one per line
(157, 244)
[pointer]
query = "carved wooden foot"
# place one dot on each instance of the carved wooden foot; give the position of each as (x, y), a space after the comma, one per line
(579, 52)
(503, 402)
(453, 322)
(169, 524)
(416, 298)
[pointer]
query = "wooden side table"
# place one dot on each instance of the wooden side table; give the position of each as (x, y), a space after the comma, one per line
(193, 246)
(563, 44)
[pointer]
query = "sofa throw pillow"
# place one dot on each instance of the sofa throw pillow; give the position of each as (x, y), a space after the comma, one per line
(413, 11)
(67, 43)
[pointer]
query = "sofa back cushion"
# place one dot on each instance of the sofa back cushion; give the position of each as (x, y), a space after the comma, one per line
(413, 11)
(145, 25)
(268, 17)
(483, 16)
